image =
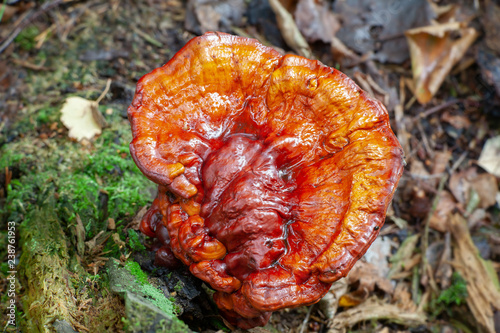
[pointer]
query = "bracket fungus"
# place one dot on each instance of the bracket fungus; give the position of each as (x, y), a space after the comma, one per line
(274, 172)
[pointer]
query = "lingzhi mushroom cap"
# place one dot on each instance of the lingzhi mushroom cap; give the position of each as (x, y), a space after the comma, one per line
(274, 172)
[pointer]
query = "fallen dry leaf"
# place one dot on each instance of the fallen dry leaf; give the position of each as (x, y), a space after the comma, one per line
(457, 121)
(491, 23)
(367, 83)
(203, 15)
(486, 187)
(374, 27)
(440, 162)
(477, 216)
(489, 62)
(136, 221)
(468, 183)
(403, 255)
(289, 30)
(459, 184)
(81, 117)
(417, 168)
(482, 281)
(377, 254)
(316, 21)
(434, 50)
(329, 304)
(95, 245)
(9, 11)
(402, 297)
(445, 13)
(489, 159)
(343, 55)
(366, 276)
(446, 205)
(375, 309)
(253, 330)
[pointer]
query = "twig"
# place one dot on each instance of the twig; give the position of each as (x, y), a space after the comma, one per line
(425, 177)
(40, 39)
(400, 123)
(26, 20)
(459, 161)
(103, 94)
(425, 237)
(435, 201)
(391, 37)
(13, 35)
(436, 108)
(410, 103)
(30, 65)
(147, 37)
(306, 320)
(425, 140)
(75, 15)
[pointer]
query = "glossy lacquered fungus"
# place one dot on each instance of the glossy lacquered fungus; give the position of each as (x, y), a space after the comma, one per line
(274, 172)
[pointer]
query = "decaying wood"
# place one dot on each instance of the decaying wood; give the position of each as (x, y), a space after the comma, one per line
(44, 271)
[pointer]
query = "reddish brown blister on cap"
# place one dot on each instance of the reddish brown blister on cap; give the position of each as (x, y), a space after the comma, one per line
(274, 172)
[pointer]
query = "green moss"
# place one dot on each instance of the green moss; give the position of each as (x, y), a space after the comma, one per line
(178, 286)
(156, 296)
(79, 193)
(26, 38)
(135, 269)
(4, 269)
(448, 299)
(10, 158)
(159, 299)
(44, 262)
(46, 115)
(80, 175)
(456, 293)
(146, 304)
(95, 181)
(134, 241)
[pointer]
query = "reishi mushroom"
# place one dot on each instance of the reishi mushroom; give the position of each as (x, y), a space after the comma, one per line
(274, 172)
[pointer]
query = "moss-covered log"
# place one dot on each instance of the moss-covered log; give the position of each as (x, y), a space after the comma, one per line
(43, 269)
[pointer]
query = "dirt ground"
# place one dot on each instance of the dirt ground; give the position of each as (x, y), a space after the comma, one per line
(72, 198)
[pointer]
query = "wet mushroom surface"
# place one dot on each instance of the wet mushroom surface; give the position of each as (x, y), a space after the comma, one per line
(274, 172)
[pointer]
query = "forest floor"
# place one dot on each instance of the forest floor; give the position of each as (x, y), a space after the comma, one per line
(70, 208)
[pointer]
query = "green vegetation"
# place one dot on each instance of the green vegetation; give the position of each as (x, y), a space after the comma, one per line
(2, 9)
(454, 295)
(134, 242)
(89, 183)
(135, 269)
(26, 38)
(94, 182)
(44, 260)
(155, 296)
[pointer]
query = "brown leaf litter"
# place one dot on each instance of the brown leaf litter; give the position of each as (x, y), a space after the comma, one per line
(482, 282)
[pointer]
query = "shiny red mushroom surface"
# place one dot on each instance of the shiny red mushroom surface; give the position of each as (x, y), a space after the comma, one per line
(274, 172)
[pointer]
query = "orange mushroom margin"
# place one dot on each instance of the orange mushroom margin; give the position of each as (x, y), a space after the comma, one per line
(274, 172)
